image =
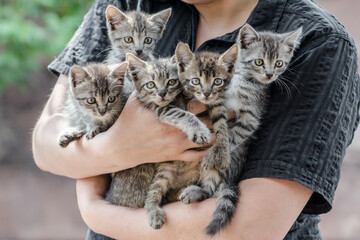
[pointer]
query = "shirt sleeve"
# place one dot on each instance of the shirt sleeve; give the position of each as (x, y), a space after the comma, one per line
(307, 128)
(90, 42)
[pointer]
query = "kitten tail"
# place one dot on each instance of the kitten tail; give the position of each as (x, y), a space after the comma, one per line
(225, 209)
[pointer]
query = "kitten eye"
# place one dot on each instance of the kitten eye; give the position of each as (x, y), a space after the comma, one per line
(172, 82)
(150, 85)
(218, 81)
(195, 81)
(91, 100)
(128, 39)
(148, 40)
(111, 99)
(259, 62)
(279, 63)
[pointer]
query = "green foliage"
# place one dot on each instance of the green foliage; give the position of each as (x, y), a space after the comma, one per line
(33, 29)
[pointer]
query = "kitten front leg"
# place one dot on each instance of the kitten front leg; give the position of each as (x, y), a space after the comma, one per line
(185, 121)
(160, 185)
(69, 135)
(246, 123)
(218, 156)
(209, 181)
(92, 132)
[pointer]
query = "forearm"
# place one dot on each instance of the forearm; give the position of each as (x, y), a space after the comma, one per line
(266, 210)
(116, 149)
(80, 158)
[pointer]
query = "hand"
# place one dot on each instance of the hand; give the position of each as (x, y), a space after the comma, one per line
(139, 137)
(200, 109)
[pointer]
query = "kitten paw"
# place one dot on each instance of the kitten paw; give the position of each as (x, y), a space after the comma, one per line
(156, 217)
(193, 194)
(93, 133)
(218, 157)
(201, 136)
(68, 136)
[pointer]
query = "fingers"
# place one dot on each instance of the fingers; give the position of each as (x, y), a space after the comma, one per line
(196, 107)
(230, 115)
(192, 155)
(206, 120)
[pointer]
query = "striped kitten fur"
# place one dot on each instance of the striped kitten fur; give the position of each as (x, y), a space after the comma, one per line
(206, 76)
(94, 101)
(134, 32)
(159, 89)
(263, 57)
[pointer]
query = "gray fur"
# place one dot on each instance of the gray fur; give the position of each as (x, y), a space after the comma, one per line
(129, 187)
(168, 103)
(101, 83)
(247, 97)
(205, 68)
(139, 27)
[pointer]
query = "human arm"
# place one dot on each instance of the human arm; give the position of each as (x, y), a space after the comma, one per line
(119, 148)
(266, 210)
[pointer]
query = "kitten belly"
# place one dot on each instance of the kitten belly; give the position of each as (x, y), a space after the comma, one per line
(129, 187)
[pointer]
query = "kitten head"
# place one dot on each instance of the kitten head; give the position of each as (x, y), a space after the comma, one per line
(156, 82)
(97, 88)
(135, 32)
(265, 55)
(205, 75)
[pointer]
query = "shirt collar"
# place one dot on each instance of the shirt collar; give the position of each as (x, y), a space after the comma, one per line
(264, 17)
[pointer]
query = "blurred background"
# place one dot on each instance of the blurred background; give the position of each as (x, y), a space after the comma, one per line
(39, 205)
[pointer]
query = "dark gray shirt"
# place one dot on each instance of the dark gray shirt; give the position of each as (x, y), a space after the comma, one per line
(304, 134)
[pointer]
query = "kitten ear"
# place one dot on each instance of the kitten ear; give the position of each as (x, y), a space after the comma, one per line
(119, 73)
(228, 59)
(173, 59)
(135, 65)
(247, 35)
(77, 75)
(161, 18)
(184, 56)
(292, 39)
(114, 16)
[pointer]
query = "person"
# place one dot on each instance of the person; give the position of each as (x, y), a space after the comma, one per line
(292, 167)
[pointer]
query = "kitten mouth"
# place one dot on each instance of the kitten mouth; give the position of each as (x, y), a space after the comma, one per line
(205, 100)
(267, 80)
(141, 56)
(162, 103)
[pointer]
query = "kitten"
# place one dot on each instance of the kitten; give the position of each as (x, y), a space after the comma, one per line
(206, 76)
(94, 100)
(134, 32)
(159, 89)
(263, 57)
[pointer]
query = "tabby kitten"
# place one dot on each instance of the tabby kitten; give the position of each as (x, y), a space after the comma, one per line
(159, 89)
(263, 57)
(206, 76)
(94, 100)
(134, 32)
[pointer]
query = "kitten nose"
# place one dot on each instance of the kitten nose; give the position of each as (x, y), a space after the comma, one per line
(102, 111)
(269, 75)
(162, 94)
(207, 94)
(138, 51)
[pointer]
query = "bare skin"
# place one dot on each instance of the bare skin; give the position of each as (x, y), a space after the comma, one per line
(85, 158)
(266, 211)
(267, 207)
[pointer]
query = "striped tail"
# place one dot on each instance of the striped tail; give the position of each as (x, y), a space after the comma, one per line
(225, 209)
